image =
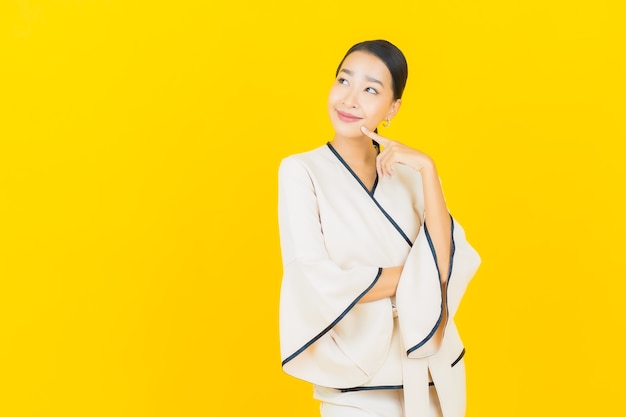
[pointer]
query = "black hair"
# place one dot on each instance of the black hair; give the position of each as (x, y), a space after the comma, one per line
(391, 56)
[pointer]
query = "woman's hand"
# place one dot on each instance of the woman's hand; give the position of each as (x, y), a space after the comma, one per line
(396, 153)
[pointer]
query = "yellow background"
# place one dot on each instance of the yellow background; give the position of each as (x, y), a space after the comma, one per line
(139, 143)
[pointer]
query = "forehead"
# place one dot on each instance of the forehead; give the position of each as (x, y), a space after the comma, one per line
(367, 65)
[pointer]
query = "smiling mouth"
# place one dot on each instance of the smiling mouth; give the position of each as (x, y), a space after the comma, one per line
(346, 117)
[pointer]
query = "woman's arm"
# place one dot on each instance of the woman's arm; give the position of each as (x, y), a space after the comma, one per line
(385, 286)
(437, 217)
(305, 257)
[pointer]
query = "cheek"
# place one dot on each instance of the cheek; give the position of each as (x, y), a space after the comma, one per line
(374, 108)
(333, 96)
(371, 108)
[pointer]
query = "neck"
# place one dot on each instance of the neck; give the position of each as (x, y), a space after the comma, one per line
(360, 150)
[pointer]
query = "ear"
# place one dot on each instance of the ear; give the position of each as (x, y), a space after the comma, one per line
(393, 110)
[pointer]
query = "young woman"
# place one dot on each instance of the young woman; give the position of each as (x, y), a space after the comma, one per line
(374, 265)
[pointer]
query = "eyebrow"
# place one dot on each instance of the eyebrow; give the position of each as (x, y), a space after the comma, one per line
(367, 77)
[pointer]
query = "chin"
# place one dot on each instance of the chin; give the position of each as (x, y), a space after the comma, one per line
(348, 131)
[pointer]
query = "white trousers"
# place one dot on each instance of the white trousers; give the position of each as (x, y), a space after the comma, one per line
(373, 403)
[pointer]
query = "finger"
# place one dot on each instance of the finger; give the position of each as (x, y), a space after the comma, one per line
(383, 165)
(375, 136)
(389, 159)
(369, 133)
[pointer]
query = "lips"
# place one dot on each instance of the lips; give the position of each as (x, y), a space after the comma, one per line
(347, 117)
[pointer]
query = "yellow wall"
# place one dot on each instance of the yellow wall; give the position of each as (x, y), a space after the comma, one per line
(139, 142)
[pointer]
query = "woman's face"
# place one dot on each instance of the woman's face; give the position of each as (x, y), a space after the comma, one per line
(362, 95)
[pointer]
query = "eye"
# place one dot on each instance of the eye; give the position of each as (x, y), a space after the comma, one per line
(371, 90)
(342, 81)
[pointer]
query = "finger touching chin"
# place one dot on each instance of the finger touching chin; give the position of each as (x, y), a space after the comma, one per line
(368, 130)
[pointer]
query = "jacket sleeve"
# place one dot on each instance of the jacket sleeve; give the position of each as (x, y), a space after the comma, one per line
(316, 293)
(419, 297)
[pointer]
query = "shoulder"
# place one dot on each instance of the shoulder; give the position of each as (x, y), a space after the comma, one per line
(307, 161)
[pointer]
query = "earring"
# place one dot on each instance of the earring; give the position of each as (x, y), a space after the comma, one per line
(387, 123)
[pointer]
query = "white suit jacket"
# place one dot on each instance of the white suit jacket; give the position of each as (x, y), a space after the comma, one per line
(336, 236)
